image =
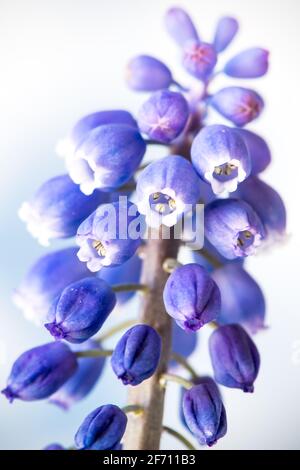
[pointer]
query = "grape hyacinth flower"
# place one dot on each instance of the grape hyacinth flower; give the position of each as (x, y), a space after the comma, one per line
(258, 149)
(166, 189)
(243, 301)
(146, 73)
(136, 356)
(67, 146)
(45, 280)
(180, 26)
(163, 116)
(226, 30)
(102, 429)
(234, 357)
(81, 310)
(191, 297)
(233, 228)
(220, 157)
(251, 63)
(39, 372)
(239, 105)
(107, 237)
(107, 157)
(204, 412)
(199, 59)
(54, 446)
(267, 203)
(83, 380)
(126, 273)
(58, 208)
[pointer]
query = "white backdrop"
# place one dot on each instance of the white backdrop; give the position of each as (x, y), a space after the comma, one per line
(64, 58)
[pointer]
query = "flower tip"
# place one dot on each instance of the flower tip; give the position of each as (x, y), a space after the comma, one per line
(192, 324)
(127, 378)
(9, 394)
(55, 330)
(248, 388)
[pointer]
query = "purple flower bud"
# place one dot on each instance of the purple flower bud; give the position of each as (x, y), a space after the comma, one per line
(267, 204)
(145, 73)
(107, 157)
(136, 355)
(227, 28)
(54, 446)
(102, 429)
(39, 372)
(58, 208)
(258, 149)
(66, 147)
(239, 105)
(81, 310)
(163, 116)
(191, 297)
(166, 189)
(180, 26)
(242, 299)
(83, 381)
(108, 237)
(204, 412)
(251, 63)
(234, 357)
(233, 227)
(45, 280)
(128, 272)
(220, 157)
(199, 59)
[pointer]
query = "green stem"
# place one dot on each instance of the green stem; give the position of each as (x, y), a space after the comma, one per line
(170, 264)
(184, 363)
(115, 329)
(135, 409)
(155, 142)
(180, 437)
(130, 288)
(175, 378)
(94, 353)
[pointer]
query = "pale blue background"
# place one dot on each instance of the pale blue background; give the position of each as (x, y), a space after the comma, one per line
(61, 59)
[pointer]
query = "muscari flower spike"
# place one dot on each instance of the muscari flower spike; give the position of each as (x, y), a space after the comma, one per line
(102, 429)
(126, 273)
(243, 301)
(146, 73)
(258, 149)
(39, 372)
(234, 356)
(137, 354)
(191, 297)
(251, 63)
(166, 189)
(204, 412)
(81, 310)
(267, 203)
(83, 380)
(45, 280)
(58, 208)
(163, 116)
(238, 105)
(67, 146)
(226, 30)
(220, 157)
(107, 157)
(107, 237)
(233, 228)
(180, 26)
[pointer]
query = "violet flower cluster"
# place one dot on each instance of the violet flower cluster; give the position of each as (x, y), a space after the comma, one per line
(73, 291)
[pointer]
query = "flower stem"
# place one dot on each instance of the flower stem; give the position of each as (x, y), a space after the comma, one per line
(180, 437)
(94, 353)
(175, 378)
(184, 363)
(130, 288)
(170, 264)
(155, 142)
(135, 409)
(115, 329)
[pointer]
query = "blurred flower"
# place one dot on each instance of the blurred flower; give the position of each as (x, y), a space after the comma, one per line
(146, 73)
